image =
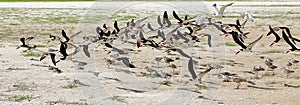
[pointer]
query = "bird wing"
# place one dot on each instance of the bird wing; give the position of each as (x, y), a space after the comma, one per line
(150, 27)
(287, 40)
(183, 53)
(287, 30)
(176, 17)
(238, 23)
(168, 22)
(249, 47)
(116, 26)
(171, 32)
(86, 50)
(166, 15)
(44, 55)
(275, 34)
(73, 36)
(182, 36)
(65, 35)
(191, 30)
(138, 22)
(159, 21)
(237, 39)
(22, 40)
(250, 17)
(191, 68)
(208, 39)
(160, 34)
(53, 58)
(223, 7)
(201, 74)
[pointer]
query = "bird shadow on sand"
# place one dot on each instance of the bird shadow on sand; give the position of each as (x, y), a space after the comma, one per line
(263, 88)
(207, 98)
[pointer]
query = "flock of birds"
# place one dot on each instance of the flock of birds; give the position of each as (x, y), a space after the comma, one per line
(137, 34)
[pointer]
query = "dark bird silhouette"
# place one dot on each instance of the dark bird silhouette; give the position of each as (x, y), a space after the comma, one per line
(237, 40)
(287, 40)
(53, 59)
(65, 35)
(191, 68)
(62, 50)
(25, 43)
(86, 49)
(275, 34)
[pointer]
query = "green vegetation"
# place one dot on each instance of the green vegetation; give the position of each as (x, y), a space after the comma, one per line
(230, 44)
(267, 74)
(20, 98)
(175, 72)
(32, 54)
(273, 51)
(64, 102)
(119, 98)
(201, 86)
(22, 87)
(41, 0)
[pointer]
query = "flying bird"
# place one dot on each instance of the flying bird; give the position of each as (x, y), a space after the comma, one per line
(220, 12)
(239, 42)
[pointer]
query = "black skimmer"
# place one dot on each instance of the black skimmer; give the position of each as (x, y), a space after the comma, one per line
(237, 40)
(181, 22)
(62, 50)
(25, 43)
(220, 12)
(275, 34)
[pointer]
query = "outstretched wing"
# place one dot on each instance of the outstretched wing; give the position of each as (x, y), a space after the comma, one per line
(249, 47)
(176, 17)
(223, 7)
(65, 35)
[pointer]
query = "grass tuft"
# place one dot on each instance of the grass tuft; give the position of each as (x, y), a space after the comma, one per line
(70, 86)
(230, 44)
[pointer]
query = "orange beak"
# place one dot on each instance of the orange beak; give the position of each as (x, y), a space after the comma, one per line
(272, 44)
(237, 52)
(288, 51)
